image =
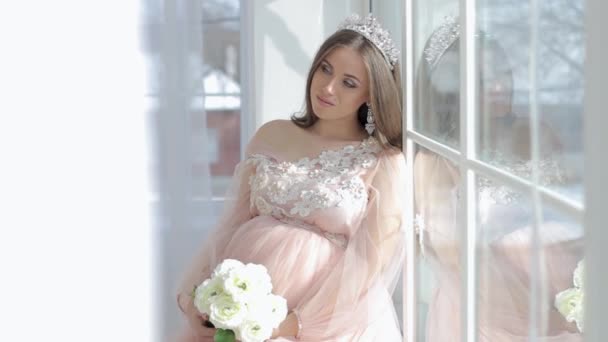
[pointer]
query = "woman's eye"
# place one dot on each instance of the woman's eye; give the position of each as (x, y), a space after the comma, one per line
(325, 69)
(350, 84)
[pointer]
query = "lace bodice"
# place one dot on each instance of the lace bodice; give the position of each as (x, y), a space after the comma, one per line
(331, 181)
(491, 193)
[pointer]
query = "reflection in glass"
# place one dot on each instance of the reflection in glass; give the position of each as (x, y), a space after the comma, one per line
(505, 217)
(509, 272)
(436, 179)
(505, 101)
(438, 224)
(438, 85)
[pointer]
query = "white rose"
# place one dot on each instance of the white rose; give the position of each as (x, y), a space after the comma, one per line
(223, 269)
(253, 331)
(278, 310)
(571, 302)
(226, 313)
(248, 282)
(565, 301)
(260, 274)
(578, 314)
(269, 310)
(206, 293)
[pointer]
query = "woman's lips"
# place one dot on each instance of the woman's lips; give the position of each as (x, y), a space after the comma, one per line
(324, 102)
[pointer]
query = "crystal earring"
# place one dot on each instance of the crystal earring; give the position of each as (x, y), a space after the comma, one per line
(370, 126)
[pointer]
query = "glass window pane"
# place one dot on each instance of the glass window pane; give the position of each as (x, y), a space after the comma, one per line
(505, 135)
(562, 56)
(436, 180)
(216, 113)
(221, 49)
(217, 10)
(439, 227)
(508, 271)
(562, 241)
(437, 81)
(215, 146)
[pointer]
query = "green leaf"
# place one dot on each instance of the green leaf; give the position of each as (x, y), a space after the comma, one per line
(222, 335)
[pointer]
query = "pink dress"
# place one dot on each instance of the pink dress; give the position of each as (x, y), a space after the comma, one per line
(328, 227)
(505, 271)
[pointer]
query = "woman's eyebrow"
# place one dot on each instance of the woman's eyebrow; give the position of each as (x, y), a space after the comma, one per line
(347, 75)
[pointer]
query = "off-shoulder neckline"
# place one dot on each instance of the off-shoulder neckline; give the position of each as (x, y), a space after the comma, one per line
(369, 141)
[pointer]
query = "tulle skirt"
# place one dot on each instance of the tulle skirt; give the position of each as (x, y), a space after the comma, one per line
(297, 259)
(443, 323)
(504, 287)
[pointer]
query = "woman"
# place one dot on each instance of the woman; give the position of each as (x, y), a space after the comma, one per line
(318, 199)
(505, 217)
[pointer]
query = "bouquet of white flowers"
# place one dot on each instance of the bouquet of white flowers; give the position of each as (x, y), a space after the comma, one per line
(571, 302)
(238, 300)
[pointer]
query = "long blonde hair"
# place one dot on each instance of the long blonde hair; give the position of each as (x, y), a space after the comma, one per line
(385, 88)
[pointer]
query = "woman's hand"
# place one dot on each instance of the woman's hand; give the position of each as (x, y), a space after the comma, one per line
(204, 333)
(196, 321)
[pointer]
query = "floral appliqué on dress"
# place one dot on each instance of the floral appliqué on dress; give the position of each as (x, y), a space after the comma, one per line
(294, 189)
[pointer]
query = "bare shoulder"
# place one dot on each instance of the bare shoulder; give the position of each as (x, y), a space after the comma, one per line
(273, 130)
(271, 135)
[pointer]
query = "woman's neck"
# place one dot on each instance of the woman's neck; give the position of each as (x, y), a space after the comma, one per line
(344, 130)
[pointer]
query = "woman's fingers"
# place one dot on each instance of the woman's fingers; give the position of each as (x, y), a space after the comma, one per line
(208, 332)
(196, 324)
(206, 335)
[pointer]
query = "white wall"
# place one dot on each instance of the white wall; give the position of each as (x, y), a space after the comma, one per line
(390, 14)
(286, 35)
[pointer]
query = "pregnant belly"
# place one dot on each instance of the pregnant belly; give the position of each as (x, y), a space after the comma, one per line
(297, 259)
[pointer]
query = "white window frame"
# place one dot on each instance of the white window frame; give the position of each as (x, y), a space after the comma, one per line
(594, 216)
(178, 179)
(248, 105)
(596, 171)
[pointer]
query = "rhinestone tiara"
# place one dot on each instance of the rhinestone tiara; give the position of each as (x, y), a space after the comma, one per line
(371, 29)
(441, 40)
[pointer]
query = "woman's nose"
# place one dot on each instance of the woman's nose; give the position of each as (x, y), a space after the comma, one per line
(330, 86)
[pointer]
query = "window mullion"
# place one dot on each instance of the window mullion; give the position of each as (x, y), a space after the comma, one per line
(411, 267)
(468, 110)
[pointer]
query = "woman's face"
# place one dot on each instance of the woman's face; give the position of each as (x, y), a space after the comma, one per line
(495, 93)
(340, 85)
(496, 84)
